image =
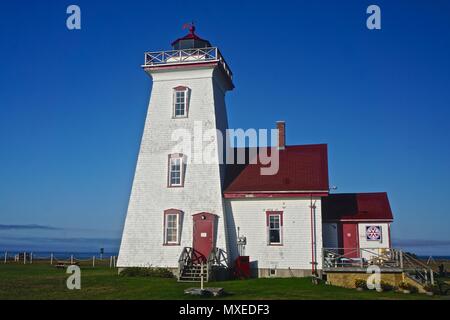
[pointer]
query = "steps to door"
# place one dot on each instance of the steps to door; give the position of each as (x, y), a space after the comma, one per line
(192, 273)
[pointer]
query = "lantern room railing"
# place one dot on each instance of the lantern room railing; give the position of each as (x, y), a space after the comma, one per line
(196, 55)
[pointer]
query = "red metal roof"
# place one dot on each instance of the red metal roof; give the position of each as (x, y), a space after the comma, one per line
(356, 207)
(301, 169)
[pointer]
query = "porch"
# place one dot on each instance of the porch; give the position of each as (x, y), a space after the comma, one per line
(395, 265)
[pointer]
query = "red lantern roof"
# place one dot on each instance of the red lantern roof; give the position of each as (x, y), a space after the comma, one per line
(191, 40)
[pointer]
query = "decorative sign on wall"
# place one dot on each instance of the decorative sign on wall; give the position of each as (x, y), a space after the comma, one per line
(373, 233)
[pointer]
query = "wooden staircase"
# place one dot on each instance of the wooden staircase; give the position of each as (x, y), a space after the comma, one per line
(192, 273)
(417, 271)
(192, 264)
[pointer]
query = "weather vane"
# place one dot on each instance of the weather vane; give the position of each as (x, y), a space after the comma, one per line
(189, 26)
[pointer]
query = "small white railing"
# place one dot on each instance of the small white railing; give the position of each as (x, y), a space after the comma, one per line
(197, 55)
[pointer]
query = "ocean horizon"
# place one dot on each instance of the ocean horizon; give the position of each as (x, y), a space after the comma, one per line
(82, 254)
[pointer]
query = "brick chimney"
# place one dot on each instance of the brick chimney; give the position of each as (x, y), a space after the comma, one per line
(281, 126)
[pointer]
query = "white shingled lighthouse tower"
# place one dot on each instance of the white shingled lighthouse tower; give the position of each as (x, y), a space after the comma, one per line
(176, 202)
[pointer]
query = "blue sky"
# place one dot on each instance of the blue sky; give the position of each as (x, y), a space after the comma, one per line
(73, 105)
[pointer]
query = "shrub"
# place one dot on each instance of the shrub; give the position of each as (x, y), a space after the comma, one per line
(413, 289)
(406, 286)
(360, 283)
(386, 286)
(431, 288)
(147, 272)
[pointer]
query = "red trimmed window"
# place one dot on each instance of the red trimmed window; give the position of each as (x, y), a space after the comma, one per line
(274, 227)
(180, 102)
(172, 226)
(176, 170)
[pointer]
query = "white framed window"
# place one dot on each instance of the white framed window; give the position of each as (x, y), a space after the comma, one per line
(172, 222)
(275, 227)
(176, 170)
(180, 102)
(172, 228)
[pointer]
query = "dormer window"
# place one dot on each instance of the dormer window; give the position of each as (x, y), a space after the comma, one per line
(180, 102)
(176, 170)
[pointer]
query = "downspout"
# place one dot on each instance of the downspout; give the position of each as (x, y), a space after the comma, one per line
(313, 262)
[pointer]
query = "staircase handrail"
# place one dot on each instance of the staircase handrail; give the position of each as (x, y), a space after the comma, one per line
(420, 269)
(218, 257)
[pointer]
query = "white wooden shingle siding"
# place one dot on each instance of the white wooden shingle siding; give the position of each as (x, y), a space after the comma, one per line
(295, 253)
(142, 240)
(367, 244)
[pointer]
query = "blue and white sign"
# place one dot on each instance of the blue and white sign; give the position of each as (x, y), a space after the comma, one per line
(373, 233)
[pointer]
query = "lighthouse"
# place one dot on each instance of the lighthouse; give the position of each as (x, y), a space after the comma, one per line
(176, 204)
(193, 210)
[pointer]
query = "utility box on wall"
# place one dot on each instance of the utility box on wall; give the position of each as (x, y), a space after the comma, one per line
(242, 267)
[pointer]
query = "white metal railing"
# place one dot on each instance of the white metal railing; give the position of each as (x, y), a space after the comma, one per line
(196, 55)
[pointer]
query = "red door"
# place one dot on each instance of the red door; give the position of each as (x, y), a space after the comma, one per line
(203, 235)
(350, 241)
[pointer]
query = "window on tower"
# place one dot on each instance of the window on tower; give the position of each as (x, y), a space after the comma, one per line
(176, 170)
(180, 102)
(172, 222)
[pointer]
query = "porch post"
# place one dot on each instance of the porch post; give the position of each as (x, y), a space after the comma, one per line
(323, 257)
(361, 263)
(201, 277)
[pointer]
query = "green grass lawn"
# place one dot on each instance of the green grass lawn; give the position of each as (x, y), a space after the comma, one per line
(46, 282)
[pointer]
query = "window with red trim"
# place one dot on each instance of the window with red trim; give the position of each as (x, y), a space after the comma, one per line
(172, 226)
(180, 102)
(274, 227)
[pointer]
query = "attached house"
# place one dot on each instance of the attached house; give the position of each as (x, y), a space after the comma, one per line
(279, 215)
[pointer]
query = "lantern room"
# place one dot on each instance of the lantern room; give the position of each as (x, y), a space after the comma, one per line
(190, 41)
